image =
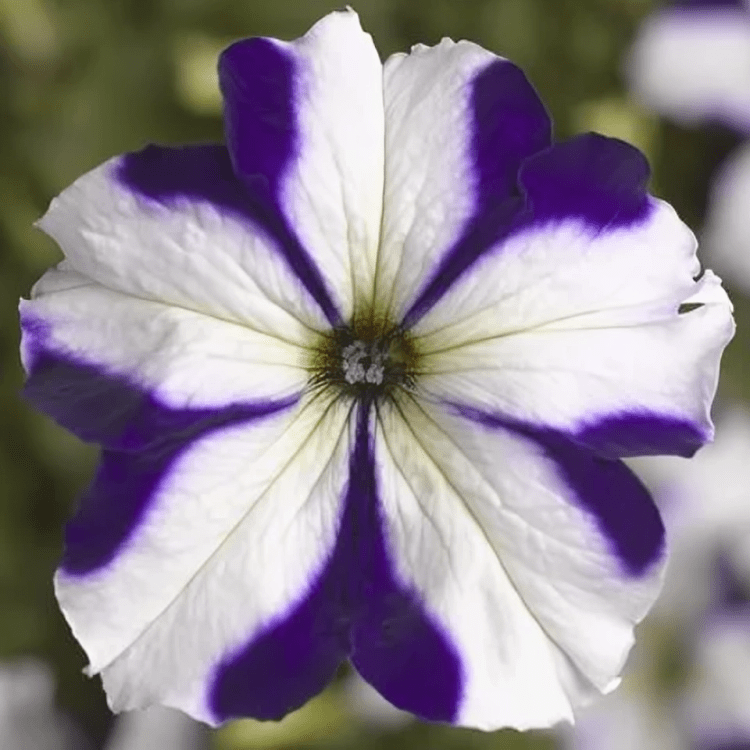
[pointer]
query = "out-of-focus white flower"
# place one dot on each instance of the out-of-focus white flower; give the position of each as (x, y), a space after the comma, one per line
(157, 728)
(717, 705)
(363, 379)
(691, 62)
(709, 711)
(624, 720)
(29, 719)
(705, 503)
(726, 232)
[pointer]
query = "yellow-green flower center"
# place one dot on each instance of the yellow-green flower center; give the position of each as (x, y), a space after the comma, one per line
(360, 361)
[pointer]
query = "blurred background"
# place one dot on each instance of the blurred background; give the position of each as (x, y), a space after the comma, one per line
(82, 80)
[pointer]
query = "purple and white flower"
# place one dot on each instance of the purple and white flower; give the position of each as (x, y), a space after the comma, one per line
(691, 61)
(363, 379)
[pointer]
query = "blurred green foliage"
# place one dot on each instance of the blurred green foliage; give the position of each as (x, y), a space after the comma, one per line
(81, 80)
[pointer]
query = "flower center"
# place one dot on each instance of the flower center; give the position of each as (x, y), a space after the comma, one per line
(364, 363)
(361, 365)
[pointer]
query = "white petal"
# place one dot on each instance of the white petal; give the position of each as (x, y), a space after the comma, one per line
(335, 193)
(717, 704)
(182, 358)
(29, 717)
(482, 525)
(570, 328)
(562, 271)
(327, 136)
(626, 721)
(156, 729)
(179, 248)
(236, 530)
(459, 121)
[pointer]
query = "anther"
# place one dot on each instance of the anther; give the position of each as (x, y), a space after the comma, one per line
(362, 363)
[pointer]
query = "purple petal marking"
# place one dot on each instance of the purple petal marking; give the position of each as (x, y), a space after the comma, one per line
(607, 489)
(591, 177)
(204, 172)
(396, 647)
(141, 437)
(510, 124)
(598, 179)
(355, 608)
(258, 82)
(198, 172)
(257, 79)
(641, 434)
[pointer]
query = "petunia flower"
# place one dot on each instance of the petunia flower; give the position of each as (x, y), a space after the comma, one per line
(362, 380)
(691, 61)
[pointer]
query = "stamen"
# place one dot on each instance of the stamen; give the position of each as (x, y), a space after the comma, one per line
(366, 362)
(363, 364)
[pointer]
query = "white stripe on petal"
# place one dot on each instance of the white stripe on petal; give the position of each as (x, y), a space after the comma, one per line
(563, 326)
(238, 527)
(562, 270)
(571, 379)
(184, 251)
(183, 358)
(429, 184)
(334, 192)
